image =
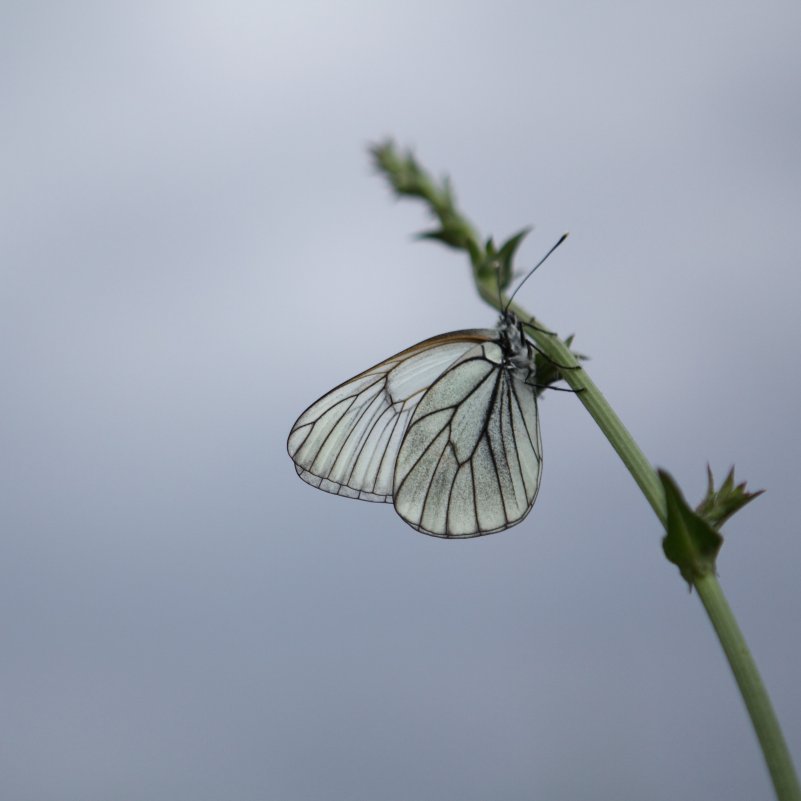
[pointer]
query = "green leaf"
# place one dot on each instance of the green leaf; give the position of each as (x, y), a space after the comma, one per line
(404, 173)
(447, 236)
(474, 251)
(690, 543)
(506, 256)
(719, 505)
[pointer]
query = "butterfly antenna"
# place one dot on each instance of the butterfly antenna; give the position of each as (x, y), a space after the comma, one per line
(532, 270)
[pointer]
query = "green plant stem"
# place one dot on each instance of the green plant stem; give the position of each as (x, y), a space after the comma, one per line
(594, 401)
(755, 696)
(409, 179)
(757, 702)
(603, 414)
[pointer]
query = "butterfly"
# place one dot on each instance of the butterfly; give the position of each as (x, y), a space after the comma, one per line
(446, 430)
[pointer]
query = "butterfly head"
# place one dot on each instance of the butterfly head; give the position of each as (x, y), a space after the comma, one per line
(516, 347)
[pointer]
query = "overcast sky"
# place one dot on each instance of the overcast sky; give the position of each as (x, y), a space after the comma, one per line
(193, 248)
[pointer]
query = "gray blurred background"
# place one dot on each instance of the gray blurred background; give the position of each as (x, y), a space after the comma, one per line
(193, 248)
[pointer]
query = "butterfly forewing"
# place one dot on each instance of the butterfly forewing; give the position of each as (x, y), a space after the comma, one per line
(347, 441)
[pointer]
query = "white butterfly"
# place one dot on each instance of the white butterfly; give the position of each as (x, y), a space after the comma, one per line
(446, 430)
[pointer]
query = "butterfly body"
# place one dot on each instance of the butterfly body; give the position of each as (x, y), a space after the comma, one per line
(446, 430)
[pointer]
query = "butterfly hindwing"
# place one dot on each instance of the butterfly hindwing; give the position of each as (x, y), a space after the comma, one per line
(471, 458)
